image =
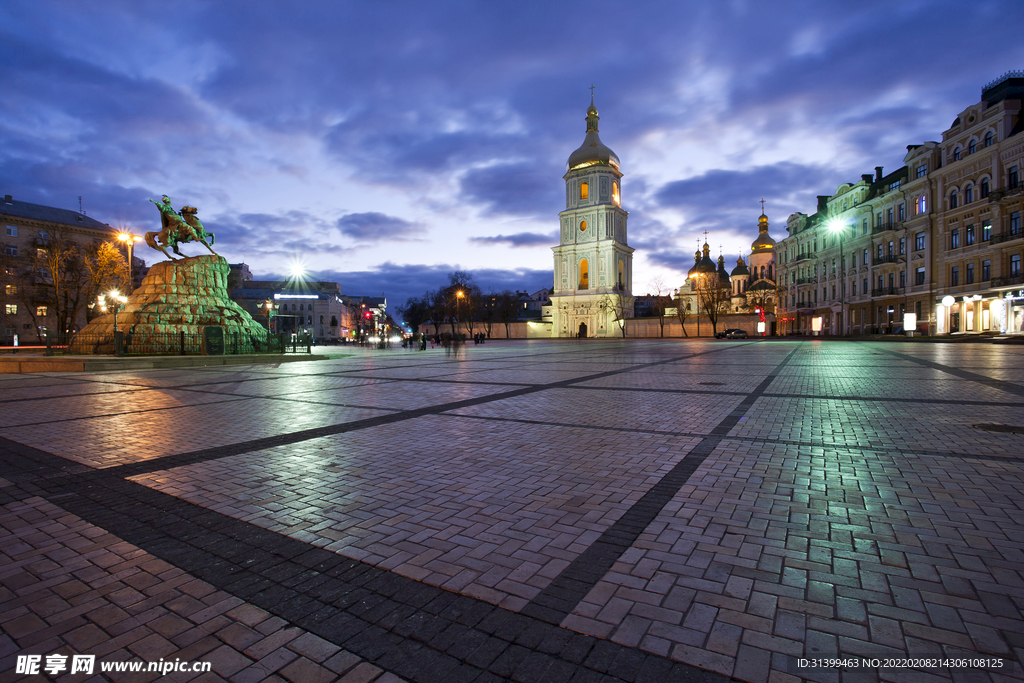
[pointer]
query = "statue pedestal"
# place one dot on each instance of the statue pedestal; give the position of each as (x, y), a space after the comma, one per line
(177, 299)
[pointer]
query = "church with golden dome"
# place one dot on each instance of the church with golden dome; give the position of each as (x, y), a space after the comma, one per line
(751, 285)
(593, 263)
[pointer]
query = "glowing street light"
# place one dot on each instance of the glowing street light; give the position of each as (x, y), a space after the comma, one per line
(129, 239)
(837, 226)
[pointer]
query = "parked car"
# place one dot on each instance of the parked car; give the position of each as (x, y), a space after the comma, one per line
(732, 333)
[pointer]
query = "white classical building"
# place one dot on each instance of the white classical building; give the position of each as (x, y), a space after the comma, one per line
(593, 263)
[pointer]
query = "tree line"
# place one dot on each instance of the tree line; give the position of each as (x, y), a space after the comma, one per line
(460, 306)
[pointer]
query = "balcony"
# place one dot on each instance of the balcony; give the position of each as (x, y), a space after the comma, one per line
(880, 260)
(886, 291)
(1008, 281)
(1009, 191)
(806, 281)
(898, 225)
(1006, 237)
(801, 257)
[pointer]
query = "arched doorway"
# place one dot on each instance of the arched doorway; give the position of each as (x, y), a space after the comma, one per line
(583, 331)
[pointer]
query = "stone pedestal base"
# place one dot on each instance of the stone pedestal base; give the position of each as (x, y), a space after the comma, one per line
(174, 303)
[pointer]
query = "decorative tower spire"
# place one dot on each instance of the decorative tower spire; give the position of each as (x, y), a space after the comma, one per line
(592, 117)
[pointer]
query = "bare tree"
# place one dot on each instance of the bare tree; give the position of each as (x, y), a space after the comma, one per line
(507, 309)
(62, 277)
(616, 305)
(683, 312)
(713, 297)
(761, 295)
(660, 302)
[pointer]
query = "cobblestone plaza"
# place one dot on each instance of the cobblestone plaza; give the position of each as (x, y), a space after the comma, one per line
(637, 510)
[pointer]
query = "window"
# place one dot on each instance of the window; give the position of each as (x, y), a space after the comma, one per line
(12, 230)
(989, 139)
(864, 229)
(293, 306)
(11, 290)
(919, 276)
(833, 292)
(43, 236)
(922, 204)
(903, 278)
(41, 311)
(954, 276)
(984, 188)
(853, 288)
(615, 194)
(888, 215)
(956, 154)
(1012, 177)
(968, 194)
(972, 147)
(891, 252)
(865, 285)
(40, 253)
(1015, 265)
(584, 191)
(903, 246)
(878, 220)
(954, 239)
(986, 230)
(880, 251)
(583, 226)
(902, 212)
(969, 274)
(309, 320)
(922, 170)
(12, 309)
(919, 241)
(301, 307)
(1015, 223)
(321, 320)
(11, 251)
(986, 271)
(954, 200)
(584, 274)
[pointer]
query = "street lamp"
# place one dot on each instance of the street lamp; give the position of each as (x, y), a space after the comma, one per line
(129, 239)
(838, 226)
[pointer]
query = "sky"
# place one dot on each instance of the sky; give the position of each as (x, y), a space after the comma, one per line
(383, 145)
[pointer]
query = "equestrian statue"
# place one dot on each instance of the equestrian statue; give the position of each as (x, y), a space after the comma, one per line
(178, 228)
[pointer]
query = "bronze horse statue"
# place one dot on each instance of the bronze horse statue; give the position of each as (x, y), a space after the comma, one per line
(177, 229)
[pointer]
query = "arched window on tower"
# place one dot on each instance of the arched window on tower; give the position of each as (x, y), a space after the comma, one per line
(584, 275)
(615, 194)
(583, 226)
(622, 274)
(584, 191)
(771, 275)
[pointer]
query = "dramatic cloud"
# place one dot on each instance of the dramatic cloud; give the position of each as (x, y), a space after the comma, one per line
(522, 239)
(437, 131)
(373, 226)
(520, 189)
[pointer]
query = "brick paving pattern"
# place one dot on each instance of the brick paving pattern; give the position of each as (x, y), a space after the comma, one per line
(532, 511)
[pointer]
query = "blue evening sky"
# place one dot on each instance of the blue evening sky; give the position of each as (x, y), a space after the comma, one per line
(385, 144)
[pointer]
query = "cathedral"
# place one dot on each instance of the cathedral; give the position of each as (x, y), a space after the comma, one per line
(593, 281)
(749, 287)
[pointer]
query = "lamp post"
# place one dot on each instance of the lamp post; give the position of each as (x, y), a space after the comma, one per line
(129, 239)
(838, 226)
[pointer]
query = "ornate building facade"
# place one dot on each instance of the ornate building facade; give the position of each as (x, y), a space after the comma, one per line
(939, 238)
(593, 263)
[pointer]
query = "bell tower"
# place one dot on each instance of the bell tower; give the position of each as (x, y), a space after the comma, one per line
(593, 262)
